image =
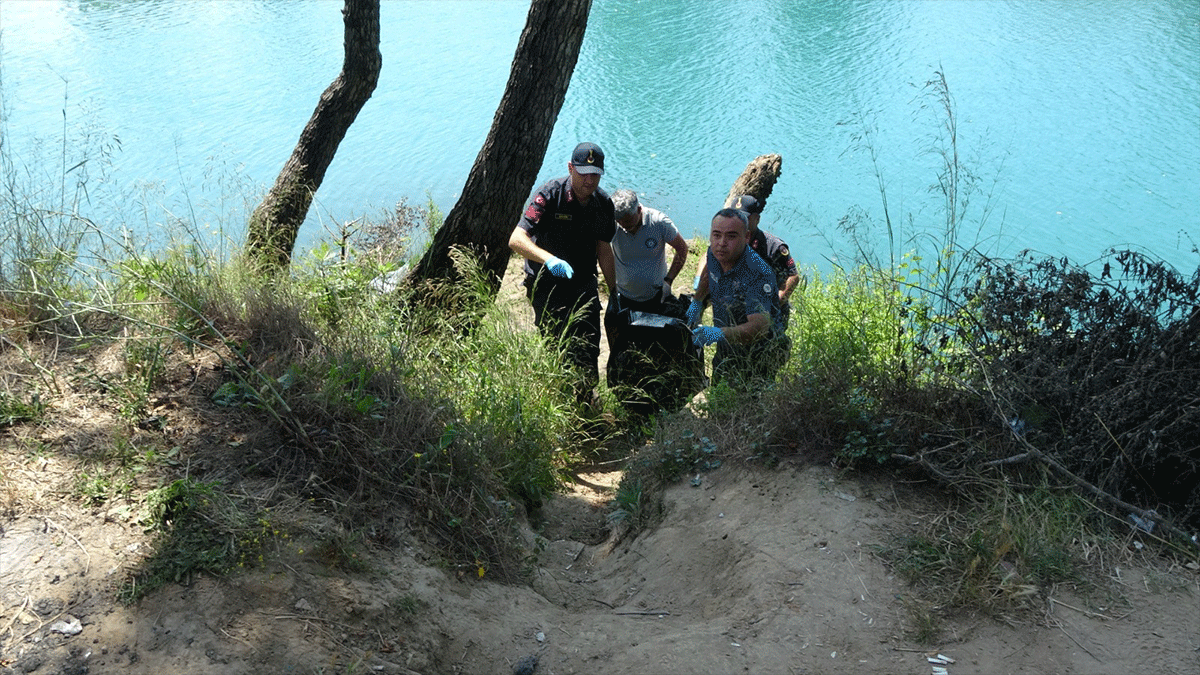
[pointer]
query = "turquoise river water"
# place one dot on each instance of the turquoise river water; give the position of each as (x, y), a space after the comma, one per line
(1081, 119)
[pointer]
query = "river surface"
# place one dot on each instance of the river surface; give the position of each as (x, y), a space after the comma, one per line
(1079, 120)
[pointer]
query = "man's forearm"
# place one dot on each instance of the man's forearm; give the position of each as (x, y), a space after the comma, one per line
(756, 326)
(524, 246)
(604, 256)
(678, 260)
(702, 282)
(789, 285)
(676, 267)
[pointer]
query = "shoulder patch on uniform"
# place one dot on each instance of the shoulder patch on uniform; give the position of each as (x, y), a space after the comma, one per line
(533, 213)
(783, 251)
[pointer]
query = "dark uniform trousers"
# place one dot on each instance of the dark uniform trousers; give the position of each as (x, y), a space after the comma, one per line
(570, 312)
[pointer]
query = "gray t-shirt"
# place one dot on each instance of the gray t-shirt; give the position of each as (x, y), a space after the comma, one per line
(641, 258)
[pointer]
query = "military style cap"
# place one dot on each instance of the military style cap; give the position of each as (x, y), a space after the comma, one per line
(747, 203)
(588, 158)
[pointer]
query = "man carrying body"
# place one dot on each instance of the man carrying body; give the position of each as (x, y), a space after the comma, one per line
(748, 330)
(640, 256)
(770, 248)
(564, 232)
(773, 250)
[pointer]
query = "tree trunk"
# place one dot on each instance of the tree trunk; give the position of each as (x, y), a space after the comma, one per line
(273, 226)
(506, 167)
(758, 179)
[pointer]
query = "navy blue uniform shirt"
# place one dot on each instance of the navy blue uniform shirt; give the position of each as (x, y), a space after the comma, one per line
(775, 252)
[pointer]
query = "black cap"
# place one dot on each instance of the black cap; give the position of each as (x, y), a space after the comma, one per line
(747, 203)
(588, 158)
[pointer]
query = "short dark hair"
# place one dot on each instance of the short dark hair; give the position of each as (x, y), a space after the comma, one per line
(733, 213)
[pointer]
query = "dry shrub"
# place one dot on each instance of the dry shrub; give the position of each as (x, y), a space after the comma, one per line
(1100, 372)
(357, 402)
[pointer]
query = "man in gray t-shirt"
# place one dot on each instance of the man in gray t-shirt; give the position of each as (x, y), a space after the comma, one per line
(643, 277)
(652, 363)
(640, 249)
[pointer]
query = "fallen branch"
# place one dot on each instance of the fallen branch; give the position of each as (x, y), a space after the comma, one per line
(1063, 471)
(1145, 514)
(927, 465)
(1008, 460)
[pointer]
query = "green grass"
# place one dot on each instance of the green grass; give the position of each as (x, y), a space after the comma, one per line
(16, 408)
(197, 529)
(373, 403)
(999, 552)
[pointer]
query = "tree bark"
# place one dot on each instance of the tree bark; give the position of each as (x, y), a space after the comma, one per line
(273, 226)
(758, 179)
(506, 167)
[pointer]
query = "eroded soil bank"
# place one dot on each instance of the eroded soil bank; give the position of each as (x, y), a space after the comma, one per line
(752, 571)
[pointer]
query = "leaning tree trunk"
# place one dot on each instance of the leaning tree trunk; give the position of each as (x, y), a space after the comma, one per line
(757, 180)
(507, 165)
(274, 224)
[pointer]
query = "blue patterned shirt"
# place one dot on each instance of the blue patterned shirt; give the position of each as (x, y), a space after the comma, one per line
(748, 288)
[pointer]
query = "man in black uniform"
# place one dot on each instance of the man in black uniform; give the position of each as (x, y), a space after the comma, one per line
(773, 250)
(565, 231)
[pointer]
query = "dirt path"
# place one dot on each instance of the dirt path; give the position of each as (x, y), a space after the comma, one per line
(751, 572)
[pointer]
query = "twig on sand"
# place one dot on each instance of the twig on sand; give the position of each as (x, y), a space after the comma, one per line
(14, 617)
(1081, 611)
(301, 617)
(234, 637)
(662, 613)
(860, 579)
(41, 622)
(1077, 642)
(87, 563)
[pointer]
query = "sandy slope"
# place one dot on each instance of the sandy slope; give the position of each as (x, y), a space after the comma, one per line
(751, 572)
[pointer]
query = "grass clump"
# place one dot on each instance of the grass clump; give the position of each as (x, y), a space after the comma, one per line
(1003, 552)
(393, 406)
(198, 529)
(16, 408)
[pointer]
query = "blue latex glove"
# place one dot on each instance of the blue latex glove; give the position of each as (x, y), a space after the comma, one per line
(559, 267)
(706, 335)
(694, 311)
